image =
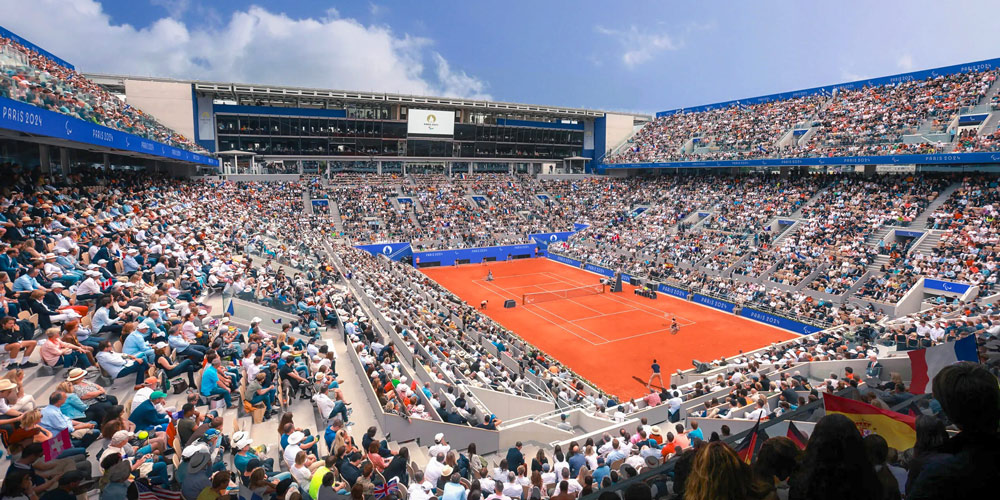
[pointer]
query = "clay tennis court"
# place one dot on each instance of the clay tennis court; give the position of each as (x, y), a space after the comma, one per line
(608, 338)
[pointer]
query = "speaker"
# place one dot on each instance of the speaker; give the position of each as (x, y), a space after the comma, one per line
(509, 304)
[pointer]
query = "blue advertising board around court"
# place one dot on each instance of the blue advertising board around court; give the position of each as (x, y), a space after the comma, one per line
(565, 260)
(473, 255)
(672, 290)
(778, 321)
(714, 303)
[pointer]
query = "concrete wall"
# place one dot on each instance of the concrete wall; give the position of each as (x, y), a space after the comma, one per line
(617, 129)
(507, 406)
(169, 102)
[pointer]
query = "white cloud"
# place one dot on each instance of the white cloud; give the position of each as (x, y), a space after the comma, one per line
(905, 62)
(639, 46)
(253, 46)
(176, 8)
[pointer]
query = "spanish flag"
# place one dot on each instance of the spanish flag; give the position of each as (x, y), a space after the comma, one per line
(898, 430)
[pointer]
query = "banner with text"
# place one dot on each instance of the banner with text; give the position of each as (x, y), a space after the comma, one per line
(15, 115)
(565, 260)
(714, 303)
(779, 321)
(672, 290)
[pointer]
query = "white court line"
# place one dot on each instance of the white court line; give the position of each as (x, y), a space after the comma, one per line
(526, 286)
(611, 296)
(544, 318)
(607, 314)
(571, 321)
(636, 336)
(516, 275)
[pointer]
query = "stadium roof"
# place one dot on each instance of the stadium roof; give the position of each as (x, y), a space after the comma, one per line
(285, 96)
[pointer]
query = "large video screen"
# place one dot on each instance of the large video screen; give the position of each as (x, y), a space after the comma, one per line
(430, 122)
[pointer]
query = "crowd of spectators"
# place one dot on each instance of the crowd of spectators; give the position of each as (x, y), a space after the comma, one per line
(31, 77)
(870, 120)
(112, 257)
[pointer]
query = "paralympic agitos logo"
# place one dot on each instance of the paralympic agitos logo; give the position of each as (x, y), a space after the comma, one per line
(431, 122)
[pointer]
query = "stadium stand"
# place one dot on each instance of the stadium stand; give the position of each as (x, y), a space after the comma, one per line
(31, 77)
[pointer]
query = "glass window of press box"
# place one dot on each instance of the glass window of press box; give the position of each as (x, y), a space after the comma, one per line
(340, 136)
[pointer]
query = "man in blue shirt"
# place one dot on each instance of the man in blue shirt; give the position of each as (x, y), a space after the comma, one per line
(185, 348)
(601, 471)
(514, 457)
(212, 386)
(129, 264)
(136, 345)
(54, 421)
(146, 417)
(576, 461)
(27, 282)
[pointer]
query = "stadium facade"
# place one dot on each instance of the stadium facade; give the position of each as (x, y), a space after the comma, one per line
(279, 129)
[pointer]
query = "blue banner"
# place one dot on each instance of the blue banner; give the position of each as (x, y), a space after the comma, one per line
(672, 290)
(321, 203)
(15, 115)
(937, 159)
(785, 222)
(778, 321)
(552, 237)
(403, 199)
(473, 255)
(565, 260)
(988, 64)
(972, 119)
(909, 234)
(577, 226)
(946, 286)
(395, 251)
(714, 303)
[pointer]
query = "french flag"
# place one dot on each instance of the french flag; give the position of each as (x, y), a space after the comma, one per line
(926, 363)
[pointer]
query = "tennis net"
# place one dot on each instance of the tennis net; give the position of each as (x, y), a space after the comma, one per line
(568, 293)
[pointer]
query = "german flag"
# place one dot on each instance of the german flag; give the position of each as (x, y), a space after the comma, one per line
(898, 430)
(797, 436)
(748, 448)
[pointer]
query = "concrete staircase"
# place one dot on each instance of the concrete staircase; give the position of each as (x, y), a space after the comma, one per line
(875, 265)
(928, 243)
(338, 222)
(920, 222)
(990, 125)
(878, 235)
(307, 206)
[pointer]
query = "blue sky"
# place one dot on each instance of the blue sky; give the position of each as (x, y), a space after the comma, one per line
(635, 55)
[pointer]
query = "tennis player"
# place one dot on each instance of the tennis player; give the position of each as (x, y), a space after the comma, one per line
(656, 375)
(673, 327)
